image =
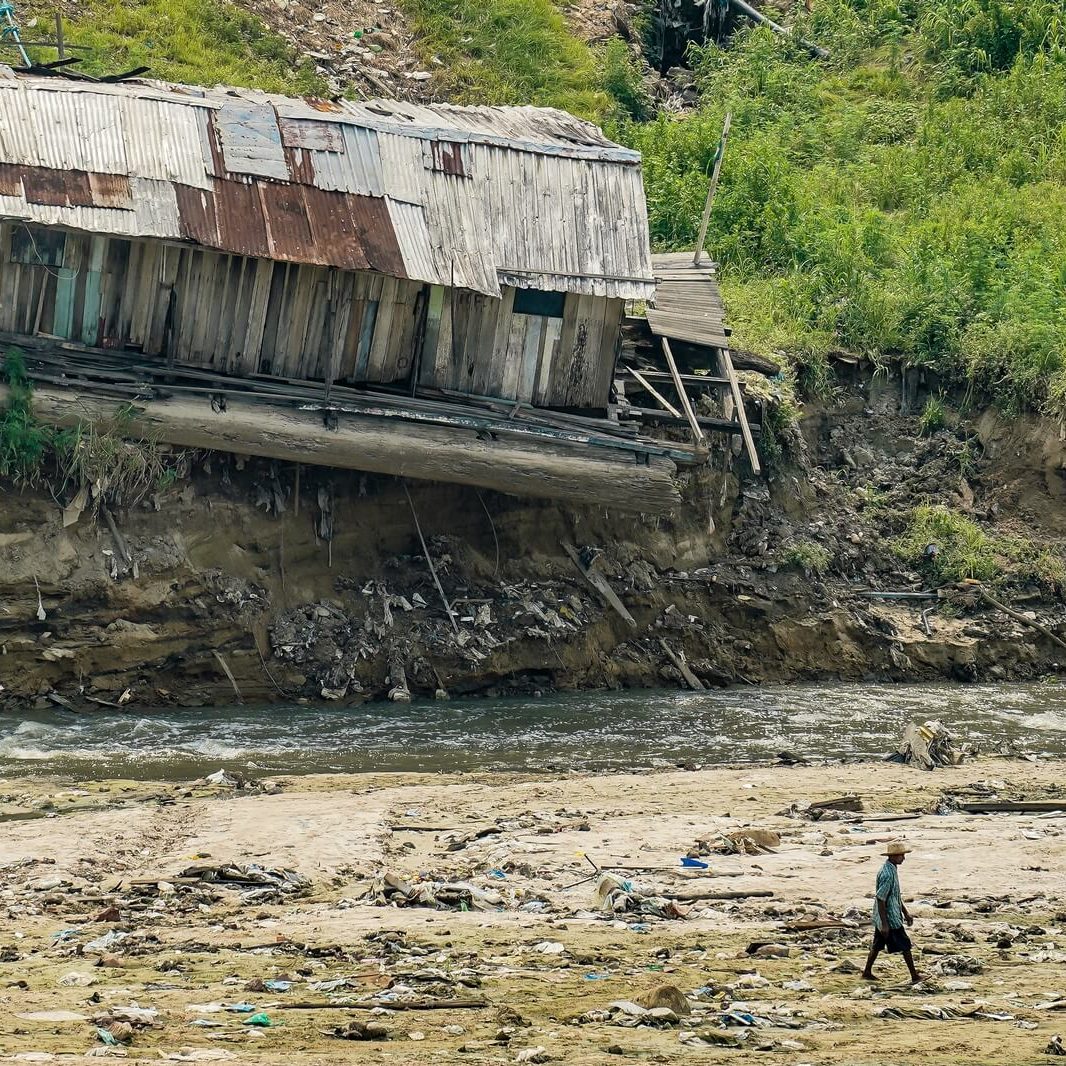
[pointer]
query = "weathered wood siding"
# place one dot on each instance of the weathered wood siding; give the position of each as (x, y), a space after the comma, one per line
(231, 313)
(477, 344)
(242, 316)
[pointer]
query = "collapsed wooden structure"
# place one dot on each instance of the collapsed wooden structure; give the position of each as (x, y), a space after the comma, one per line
(345, 265)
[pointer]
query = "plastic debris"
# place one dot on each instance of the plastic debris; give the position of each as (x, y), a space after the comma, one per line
(928, 746)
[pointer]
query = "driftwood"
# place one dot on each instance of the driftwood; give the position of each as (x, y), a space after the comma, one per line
(681, 666)
(751, 361)
(1019, 617)
(694, 895)
(1013, 806)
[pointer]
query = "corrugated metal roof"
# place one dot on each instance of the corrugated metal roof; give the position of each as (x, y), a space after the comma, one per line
(471, 197)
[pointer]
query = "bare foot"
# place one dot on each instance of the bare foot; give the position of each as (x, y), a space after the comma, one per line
(867, 977)
(918, 978)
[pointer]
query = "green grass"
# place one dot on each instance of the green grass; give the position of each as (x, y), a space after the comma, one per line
(808, 556)
(202, 42)
(509, 52)
(903, 200)
(966, 551)
(934, 416)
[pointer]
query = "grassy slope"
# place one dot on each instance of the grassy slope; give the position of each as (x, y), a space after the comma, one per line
(202, 42)
(903, 200)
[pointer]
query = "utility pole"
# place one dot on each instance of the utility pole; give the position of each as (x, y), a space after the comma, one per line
(713, 188)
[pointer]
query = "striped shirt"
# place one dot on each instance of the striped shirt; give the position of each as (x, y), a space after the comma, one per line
(888, 890)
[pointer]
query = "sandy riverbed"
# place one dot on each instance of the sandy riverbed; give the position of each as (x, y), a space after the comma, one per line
(985, 886)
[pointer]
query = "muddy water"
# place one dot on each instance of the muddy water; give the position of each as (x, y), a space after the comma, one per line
(593, 730)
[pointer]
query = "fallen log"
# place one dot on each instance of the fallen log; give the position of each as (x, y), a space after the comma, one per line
(1019, 617)
(695, 895)
(1013, 806)
(510, 462)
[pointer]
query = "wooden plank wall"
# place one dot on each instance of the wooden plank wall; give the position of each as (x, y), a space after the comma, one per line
(201, 308)
(477, 344)
(253, 316)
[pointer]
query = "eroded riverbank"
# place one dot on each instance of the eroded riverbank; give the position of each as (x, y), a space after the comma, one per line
(544, 954)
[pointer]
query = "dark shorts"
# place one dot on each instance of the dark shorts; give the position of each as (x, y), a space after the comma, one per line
(894, 941)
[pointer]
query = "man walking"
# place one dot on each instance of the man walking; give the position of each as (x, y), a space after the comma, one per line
(890, 914)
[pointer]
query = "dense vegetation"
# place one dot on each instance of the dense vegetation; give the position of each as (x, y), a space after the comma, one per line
(904, 199)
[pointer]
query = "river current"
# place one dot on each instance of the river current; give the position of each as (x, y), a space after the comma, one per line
(580, 731)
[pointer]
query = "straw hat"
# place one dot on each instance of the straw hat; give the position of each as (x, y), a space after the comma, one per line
(896, 847)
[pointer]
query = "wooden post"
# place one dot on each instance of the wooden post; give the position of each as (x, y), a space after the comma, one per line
(61, 47)
(742, 415)
(713, 188)
(680, 386)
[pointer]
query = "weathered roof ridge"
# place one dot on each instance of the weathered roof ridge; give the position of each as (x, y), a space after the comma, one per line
(543, 130)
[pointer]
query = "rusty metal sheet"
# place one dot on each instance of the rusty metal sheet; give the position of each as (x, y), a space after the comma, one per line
(321, 136)
(110, 190)
(449, 157)
(56, 188)
(335, 236)
(250, 139)
(301, 165)
(10, 180)
(196, 210)
(287, 226)
(241, 228)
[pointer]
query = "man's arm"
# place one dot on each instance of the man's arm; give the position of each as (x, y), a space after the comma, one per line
(882, 913)
(906, 913)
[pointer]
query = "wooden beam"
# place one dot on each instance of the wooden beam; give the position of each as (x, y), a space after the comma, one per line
(461, 455)
(680, 386)
(742, 415)
(600, 584)
(654, 392)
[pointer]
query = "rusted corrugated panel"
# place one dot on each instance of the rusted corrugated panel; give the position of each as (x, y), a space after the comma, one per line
(56, 188)
(196, 209)
(10, 180)
(287, 225)
(336, 237)
(321, 136)
(449, 157)
(301, 165)
(356, 169)
(241, 228)
(110, 190)
(250, 140)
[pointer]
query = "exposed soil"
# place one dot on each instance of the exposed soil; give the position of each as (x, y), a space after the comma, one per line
(230, 573)
(989, 935)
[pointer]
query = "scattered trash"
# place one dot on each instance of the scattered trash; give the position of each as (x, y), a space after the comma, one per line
(259, 882)
(617, 894)
(928, 746)
(258, 1019)
(356, 1030)
(932, 1012)
(391, 889)
(1055, 1046)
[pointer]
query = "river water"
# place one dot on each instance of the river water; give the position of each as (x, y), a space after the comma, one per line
(585, 731)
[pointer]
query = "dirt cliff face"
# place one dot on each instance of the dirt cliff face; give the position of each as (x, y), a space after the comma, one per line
(249, 578)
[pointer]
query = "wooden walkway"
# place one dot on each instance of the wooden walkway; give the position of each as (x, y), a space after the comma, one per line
(688, 307)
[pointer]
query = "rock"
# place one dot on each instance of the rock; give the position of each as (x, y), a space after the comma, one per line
(533, 1054)
(666, 996)
(662, 1016)
(628, 1008)
(772, 951)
